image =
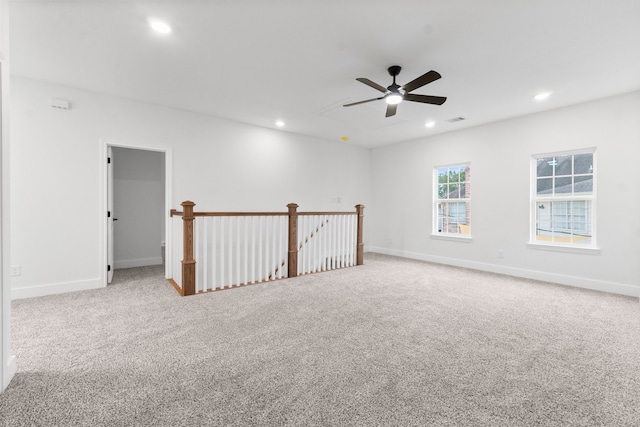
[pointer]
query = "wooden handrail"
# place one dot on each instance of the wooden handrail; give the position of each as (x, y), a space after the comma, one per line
(188, 216)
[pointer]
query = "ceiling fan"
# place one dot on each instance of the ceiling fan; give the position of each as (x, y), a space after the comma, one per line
(395, 94)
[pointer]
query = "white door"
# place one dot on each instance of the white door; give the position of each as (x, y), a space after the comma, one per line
(110, 263)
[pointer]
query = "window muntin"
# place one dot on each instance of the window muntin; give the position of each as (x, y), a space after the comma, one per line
(564, 199)
(452, 200)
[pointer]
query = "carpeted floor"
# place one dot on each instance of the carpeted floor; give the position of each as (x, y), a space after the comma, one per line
(395, 342)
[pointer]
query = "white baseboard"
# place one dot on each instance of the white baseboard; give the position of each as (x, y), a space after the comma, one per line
(130, 263)
(55, 288)
(10, 371)
(579, 282)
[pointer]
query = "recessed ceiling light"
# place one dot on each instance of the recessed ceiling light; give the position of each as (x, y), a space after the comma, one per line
(159, 26)
(542, 96)
(430, 124)
(279, 123)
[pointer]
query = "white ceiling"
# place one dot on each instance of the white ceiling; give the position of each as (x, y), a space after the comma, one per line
(257, 61)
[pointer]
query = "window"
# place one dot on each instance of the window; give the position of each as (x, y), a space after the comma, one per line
(452, 200)
(563, 199)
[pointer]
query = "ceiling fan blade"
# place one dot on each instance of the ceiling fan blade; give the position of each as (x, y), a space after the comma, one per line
(372, 84)
(427, 99)
(362, 102)
(391, 110)
(421, 81)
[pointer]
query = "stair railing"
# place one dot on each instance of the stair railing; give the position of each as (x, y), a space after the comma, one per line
(223, 250)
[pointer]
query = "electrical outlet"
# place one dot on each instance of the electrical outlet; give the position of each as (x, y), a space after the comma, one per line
(15, 270)
(500, 253)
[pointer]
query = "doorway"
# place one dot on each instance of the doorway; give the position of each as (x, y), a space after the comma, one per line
(137, 198)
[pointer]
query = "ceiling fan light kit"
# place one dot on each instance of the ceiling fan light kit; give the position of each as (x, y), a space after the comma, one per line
(395, 94)
(393, 98)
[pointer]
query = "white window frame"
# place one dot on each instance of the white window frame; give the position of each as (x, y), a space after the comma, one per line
(536, 200)
(436, 202)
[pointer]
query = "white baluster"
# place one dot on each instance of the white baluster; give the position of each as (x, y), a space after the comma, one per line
(214, 252)
(205, 253)
(274, 254)
(267, 247)
(222, 249)
(346, 244)
(324, 243)
(315, 231)
(305, 245)
(261, 220)
(280, 239)
(342, 233)
(253, 249)
(310, 230)
(238, 221)
(245, 243)
(351, 243)
(299, 243)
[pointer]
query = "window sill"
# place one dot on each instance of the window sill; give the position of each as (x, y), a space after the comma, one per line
(453, 237)
(560, 248)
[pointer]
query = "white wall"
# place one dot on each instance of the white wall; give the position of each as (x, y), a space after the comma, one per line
(139, 207)
(401, 213)
(7, 360)
(57, 197)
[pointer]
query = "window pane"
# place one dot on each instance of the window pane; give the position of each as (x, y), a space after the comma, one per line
(442, 175)
(583, 163)
(563, 165)
(563, 185)
(453, 191)
(454, 174)
(564, 222)
(442, 191)
(583, 184)
(543, 221)
(544, 185)
(463, 191)
(545, 166)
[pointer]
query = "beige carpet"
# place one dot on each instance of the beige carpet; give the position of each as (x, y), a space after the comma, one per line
(393, 342)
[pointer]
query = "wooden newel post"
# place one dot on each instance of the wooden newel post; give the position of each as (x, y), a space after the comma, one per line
(359, 244)
(188, 263)
(293, 240)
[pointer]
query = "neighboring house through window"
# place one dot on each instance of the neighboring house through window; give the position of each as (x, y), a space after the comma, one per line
(452, 191)
(563, 199)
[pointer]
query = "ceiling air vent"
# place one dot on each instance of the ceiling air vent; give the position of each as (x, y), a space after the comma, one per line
(456, 119)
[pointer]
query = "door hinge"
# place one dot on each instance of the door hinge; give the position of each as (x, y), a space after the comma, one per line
(108, 214)
(108, 159)
(108, 268)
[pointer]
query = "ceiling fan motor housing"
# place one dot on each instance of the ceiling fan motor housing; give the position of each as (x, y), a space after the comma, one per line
(394, 70)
